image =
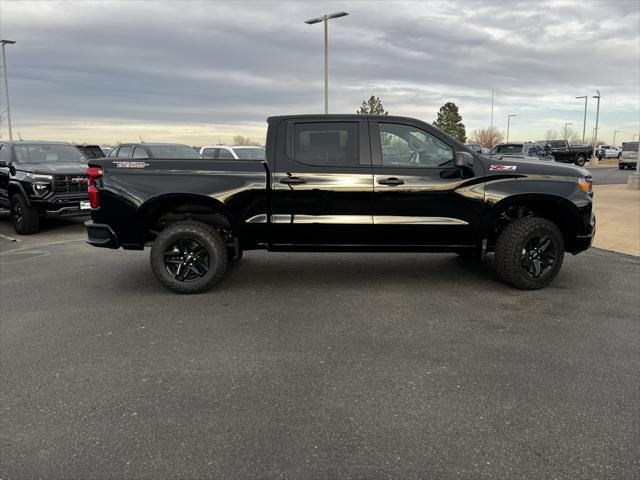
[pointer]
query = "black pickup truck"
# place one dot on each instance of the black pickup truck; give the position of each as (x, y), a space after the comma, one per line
(563, 152)
(342, 183)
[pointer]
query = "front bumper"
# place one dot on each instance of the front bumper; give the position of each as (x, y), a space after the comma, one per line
(101, 235)
(583, 242)
(61, 205)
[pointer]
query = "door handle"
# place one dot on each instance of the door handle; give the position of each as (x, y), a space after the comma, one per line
(392, 182)
(292, 180)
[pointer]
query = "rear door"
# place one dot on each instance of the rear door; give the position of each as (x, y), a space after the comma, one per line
(5, 157)
(322, 183)
(420, 198)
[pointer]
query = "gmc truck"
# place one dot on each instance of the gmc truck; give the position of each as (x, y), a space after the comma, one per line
(342, 183)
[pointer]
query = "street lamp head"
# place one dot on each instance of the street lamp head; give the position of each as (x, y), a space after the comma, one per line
(598, 94)
(7, 42)
(584, 96)
(311, 21)
(337, 15)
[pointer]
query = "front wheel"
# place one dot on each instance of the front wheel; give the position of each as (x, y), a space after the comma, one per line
(529, 253)
(581, 160)
(189, 257)
(25, 219)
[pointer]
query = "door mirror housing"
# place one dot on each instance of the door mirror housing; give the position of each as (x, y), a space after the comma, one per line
(463, 159)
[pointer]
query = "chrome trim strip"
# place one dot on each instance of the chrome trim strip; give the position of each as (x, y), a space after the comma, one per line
(324, 219)
(262, 218)
(355, 219)
(401, 220)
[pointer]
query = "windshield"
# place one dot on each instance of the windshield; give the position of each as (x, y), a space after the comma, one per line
(47, 153)
(630, 147)
(249, 153)
(172, 151)
(91, 151)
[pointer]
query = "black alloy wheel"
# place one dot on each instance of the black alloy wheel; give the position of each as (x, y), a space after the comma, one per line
(186, 260)
(538, 255)
(189, 257)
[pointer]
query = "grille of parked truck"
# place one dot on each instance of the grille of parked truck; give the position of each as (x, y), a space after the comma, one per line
(343, 183)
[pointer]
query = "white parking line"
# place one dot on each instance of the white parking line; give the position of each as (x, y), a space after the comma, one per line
(11, 239)
(47, 244)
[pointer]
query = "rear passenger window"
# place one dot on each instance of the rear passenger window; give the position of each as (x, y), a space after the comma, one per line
(140, 152)
(332, 144)
(225, 154)
(210, 153)
(124, 152)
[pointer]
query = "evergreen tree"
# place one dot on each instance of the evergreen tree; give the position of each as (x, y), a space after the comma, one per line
(372, 107)
(450, 121)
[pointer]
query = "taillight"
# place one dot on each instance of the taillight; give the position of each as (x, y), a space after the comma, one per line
(93, 173)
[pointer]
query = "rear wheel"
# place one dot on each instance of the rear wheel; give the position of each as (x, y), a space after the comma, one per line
(529, 253)
(580, 160)
(25, 219)
(189, 257)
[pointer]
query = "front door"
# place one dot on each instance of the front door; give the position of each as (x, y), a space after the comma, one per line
(420, 197)
(5, 158)
(322, 183)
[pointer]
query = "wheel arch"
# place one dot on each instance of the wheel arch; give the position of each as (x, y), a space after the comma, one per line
(559, 210)
(16, 187)
(163, 210)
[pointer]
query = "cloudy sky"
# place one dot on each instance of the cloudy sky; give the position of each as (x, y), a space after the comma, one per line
(201, 71)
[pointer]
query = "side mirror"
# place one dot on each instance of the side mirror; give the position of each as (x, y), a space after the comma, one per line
(463, 159)
(3, 163)
(547, 147)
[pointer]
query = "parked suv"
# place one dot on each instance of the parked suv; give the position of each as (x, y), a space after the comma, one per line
(629, 156)
(232, 152)
(153, 150)
(42, 179)
(608, 151)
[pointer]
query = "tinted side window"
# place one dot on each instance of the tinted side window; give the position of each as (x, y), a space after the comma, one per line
(210, 153)
(326, 143)
(140, 152)
(124, 152)
(4, 154)
(224, 154)
(113, 152)
(408, 146)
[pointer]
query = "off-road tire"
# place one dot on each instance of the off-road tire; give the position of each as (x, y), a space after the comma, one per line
(581, 160)
(509, 252)
(208, 237)
(25, 219)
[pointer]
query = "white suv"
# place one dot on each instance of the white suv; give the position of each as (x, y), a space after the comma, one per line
(232, 152)
(608, 151)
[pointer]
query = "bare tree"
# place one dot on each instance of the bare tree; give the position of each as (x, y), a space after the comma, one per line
(240, 140)
(550, 135)
(487, 137)
(569, 134)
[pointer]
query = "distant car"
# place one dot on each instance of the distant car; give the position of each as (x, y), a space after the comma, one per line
(608, 151)
(629, 155)
(525, 151)
(154, 150)
(232, 152)
(565, 153)
(91, 151)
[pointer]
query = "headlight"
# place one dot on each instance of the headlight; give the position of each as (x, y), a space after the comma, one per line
(585, 184)
(38, 178)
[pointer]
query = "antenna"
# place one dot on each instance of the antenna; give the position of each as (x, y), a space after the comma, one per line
(20, 136)
(140, 137)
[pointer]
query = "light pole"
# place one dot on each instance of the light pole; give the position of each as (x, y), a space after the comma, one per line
(325, 19)
(509, 124)
(584, 123)
(6, 83)
(595, 135)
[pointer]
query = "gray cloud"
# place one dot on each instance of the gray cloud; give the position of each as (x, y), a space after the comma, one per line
(199, 62)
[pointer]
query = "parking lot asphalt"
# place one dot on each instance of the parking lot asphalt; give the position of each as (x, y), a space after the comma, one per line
(314, 366)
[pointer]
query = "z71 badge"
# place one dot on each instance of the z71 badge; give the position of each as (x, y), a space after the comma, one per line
(498, 168)
(131, 164)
